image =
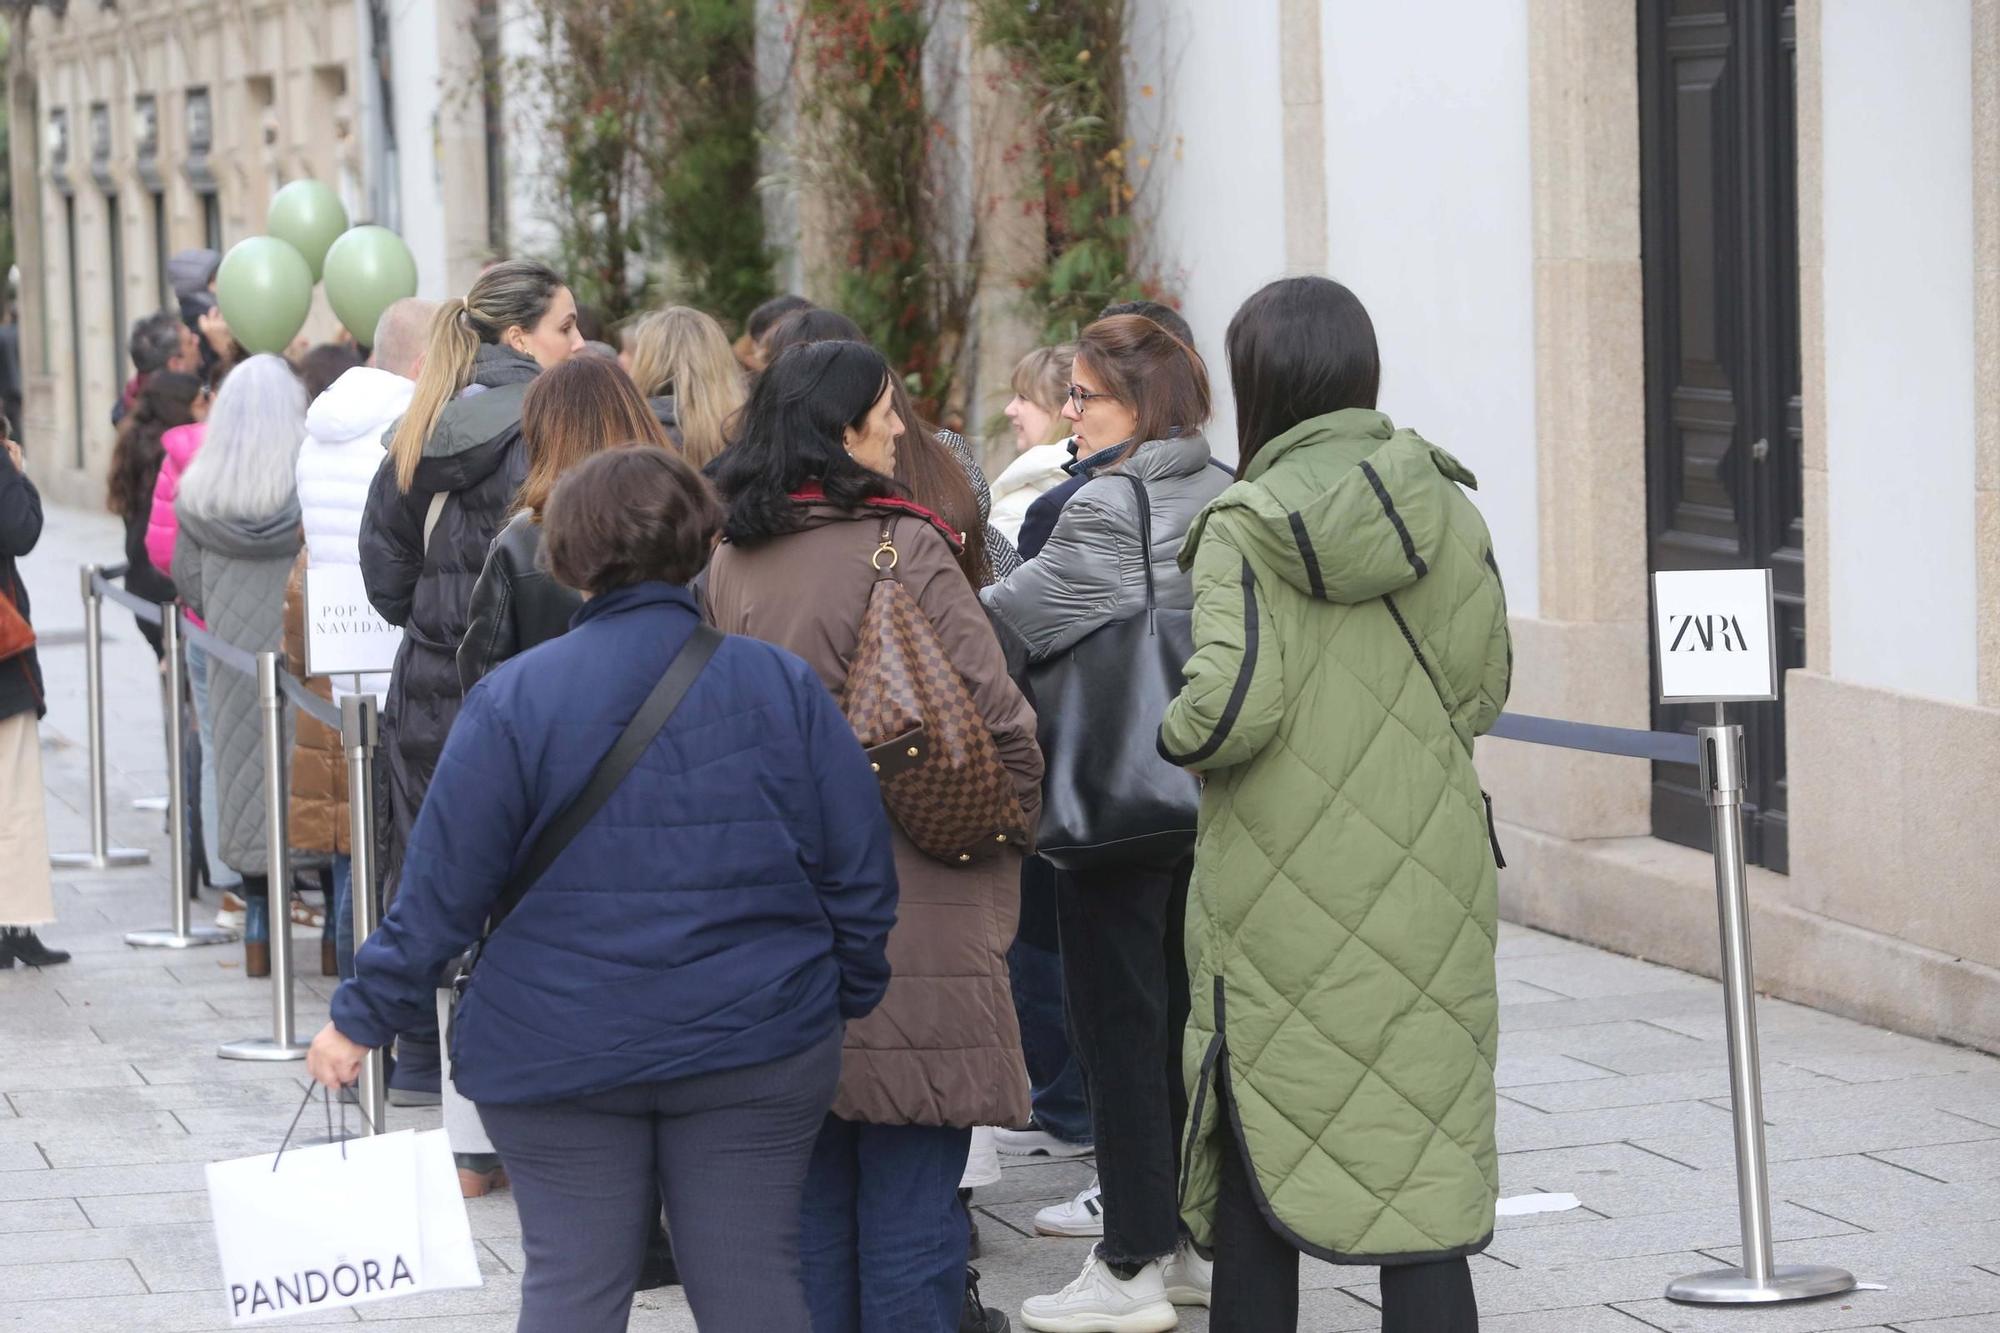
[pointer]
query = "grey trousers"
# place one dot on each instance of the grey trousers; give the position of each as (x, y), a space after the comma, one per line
(729, 1152)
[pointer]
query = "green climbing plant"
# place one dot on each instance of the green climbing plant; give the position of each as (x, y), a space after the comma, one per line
(1084, 172)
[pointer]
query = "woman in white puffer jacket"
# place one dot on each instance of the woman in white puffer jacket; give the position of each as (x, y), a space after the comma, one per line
(345, 430)
(1041, 435)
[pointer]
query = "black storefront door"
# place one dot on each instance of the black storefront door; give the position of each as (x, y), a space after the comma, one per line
(1719, 199)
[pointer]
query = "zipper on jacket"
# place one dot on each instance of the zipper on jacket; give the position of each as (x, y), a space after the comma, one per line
(1201, 1094)
(1492, 833)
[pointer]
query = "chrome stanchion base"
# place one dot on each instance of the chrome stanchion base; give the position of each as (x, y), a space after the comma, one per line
(113, 858)
(260, 1048)
(167, 938)
(1788, 1282)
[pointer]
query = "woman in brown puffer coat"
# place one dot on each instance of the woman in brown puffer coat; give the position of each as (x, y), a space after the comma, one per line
(809, 493)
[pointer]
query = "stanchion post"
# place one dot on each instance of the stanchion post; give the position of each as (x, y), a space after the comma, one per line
(358, 732)
(1761, 1280)
(283, 1043)
(102, 855)
(182, 934)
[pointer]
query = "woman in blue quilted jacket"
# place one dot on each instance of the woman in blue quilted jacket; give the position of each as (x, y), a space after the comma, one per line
(664, 1008)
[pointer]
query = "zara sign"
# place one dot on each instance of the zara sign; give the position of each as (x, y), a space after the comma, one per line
(1712, 636)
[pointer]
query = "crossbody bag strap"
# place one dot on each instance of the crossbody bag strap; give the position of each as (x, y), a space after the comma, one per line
(611, 770)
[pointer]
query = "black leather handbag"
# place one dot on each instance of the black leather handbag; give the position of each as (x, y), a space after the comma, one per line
(1108, 796)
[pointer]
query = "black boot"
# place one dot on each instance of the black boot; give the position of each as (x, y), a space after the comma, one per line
(978, 1316)
(20, 942)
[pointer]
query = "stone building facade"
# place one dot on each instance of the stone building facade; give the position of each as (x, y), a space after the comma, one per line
(152, 126)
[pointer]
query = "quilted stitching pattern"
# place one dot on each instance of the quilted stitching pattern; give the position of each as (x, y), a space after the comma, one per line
(243, 602)
(1344, 898)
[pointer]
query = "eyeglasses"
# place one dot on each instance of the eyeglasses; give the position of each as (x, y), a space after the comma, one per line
(1078, 396)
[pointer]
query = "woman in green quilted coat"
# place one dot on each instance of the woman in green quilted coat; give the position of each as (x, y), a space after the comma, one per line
(1351, 641)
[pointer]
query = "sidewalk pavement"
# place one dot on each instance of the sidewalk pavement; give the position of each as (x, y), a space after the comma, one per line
(1886, 1149)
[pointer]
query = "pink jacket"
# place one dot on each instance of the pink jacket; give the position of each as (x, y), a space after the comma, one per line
(162, 527)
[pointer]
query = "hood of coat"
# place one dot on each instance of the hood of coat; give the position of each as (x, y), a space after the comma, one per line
(273, 537)
(477, 432)
(358, 405)
(1041, 466)
(1156, 460)
(1345, 506)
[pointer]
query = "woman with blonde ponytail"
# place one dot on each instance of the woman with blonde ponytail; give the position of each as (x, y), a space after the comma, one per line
(681, 360)
(454, 463)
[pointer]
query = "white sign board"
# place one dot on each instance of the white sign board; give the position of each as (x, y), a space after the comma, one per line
(1713, 636)
(343, 633)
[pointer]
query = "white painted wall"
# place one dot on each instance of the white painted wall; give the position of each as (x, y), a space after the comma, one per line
(1213, 129)
(1897, 209)
(1430, 222)
(416, 78)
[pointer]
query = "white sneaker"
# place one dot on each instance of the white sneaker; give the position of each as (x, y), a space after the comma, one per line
(1100, 1301)
(1081, 1216)
(1187, 1276)
(230, 917)
(1036, 1143)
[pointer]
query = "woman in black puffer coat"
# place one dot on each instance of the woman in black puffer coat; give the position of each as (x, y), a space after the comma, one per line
(445, 487)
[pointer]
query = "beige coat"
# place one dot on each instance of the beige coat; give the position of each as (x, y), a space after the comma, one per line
(944, 1047)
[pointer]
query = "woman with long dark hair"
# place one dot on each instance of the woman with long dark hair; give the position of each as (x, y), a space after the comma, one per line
(1139, 396)
(1351, 640)
(445, 488)
(814, 516)
(168, 399)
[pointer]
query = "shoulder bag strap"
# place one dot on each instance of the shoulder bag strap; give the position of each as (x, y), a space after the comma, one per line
(1145, 535)
(611, 770)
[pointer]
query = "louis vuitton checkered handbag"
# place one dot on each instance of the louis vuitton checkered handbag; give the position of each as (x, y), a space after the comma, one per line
(941, 774)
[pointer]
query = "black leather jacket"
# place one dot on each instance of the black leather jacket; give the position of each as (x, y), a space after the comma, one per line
(515, 605)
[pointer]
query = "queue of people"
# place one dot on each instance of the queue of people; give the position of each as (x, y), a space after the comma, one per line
(668, 927)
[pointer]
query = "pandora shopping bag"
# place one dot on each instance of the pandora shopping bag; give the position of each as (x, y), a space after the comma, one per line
(340, 1224)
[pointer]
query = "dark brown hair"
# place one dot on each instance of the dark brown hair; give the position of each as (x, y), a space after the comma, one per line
(167, 401)
(634, 514)
(583, 406)
(324, 364)
(1299, 349)
(1148, 369)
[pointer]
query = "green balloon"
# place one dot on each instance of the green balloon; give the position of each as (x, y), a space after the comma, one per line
(308, 217)
(367, 270)
(264, 289)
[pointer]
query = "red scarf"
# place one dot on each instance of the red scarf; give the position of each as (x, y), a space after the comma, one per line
(813, 493)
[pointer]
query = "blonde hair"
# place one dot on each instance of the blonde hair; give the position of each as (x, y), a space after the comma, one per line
(684, 352)
(1042, 378)
(517, 292)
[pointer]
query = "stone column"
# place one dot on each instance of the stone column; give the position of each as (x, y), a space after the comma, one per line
(1301, 71)
(1011, 238)
(1585, 656)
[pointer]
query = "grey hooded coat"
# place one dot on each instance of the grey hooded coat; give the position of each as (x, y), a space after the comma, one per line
(232, 572)
(1092, 572)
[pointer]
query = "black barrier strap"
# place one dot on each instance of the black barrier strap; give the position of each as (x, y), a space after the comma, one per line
(117, 571)
(320, 710)
(144, 608)
(1667, 747)
(223, 651)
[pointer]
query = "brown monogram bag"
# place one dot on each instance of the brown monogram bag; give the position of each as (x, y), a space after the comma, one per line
(941, 774)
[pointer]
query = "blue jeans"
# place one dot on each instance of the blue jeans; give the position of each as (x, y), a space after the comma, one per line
(220, 876)
(884, 1239)
(342, 908)
(1053, 1073)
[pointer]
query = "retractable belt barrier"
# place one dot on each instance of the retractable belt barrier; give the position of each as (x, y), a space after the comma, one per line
(1716, 751)
(354, 719)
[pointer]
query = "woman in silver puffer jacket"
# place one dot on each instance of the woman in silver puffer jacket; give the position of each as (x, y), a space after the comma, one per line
(1140, 389)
